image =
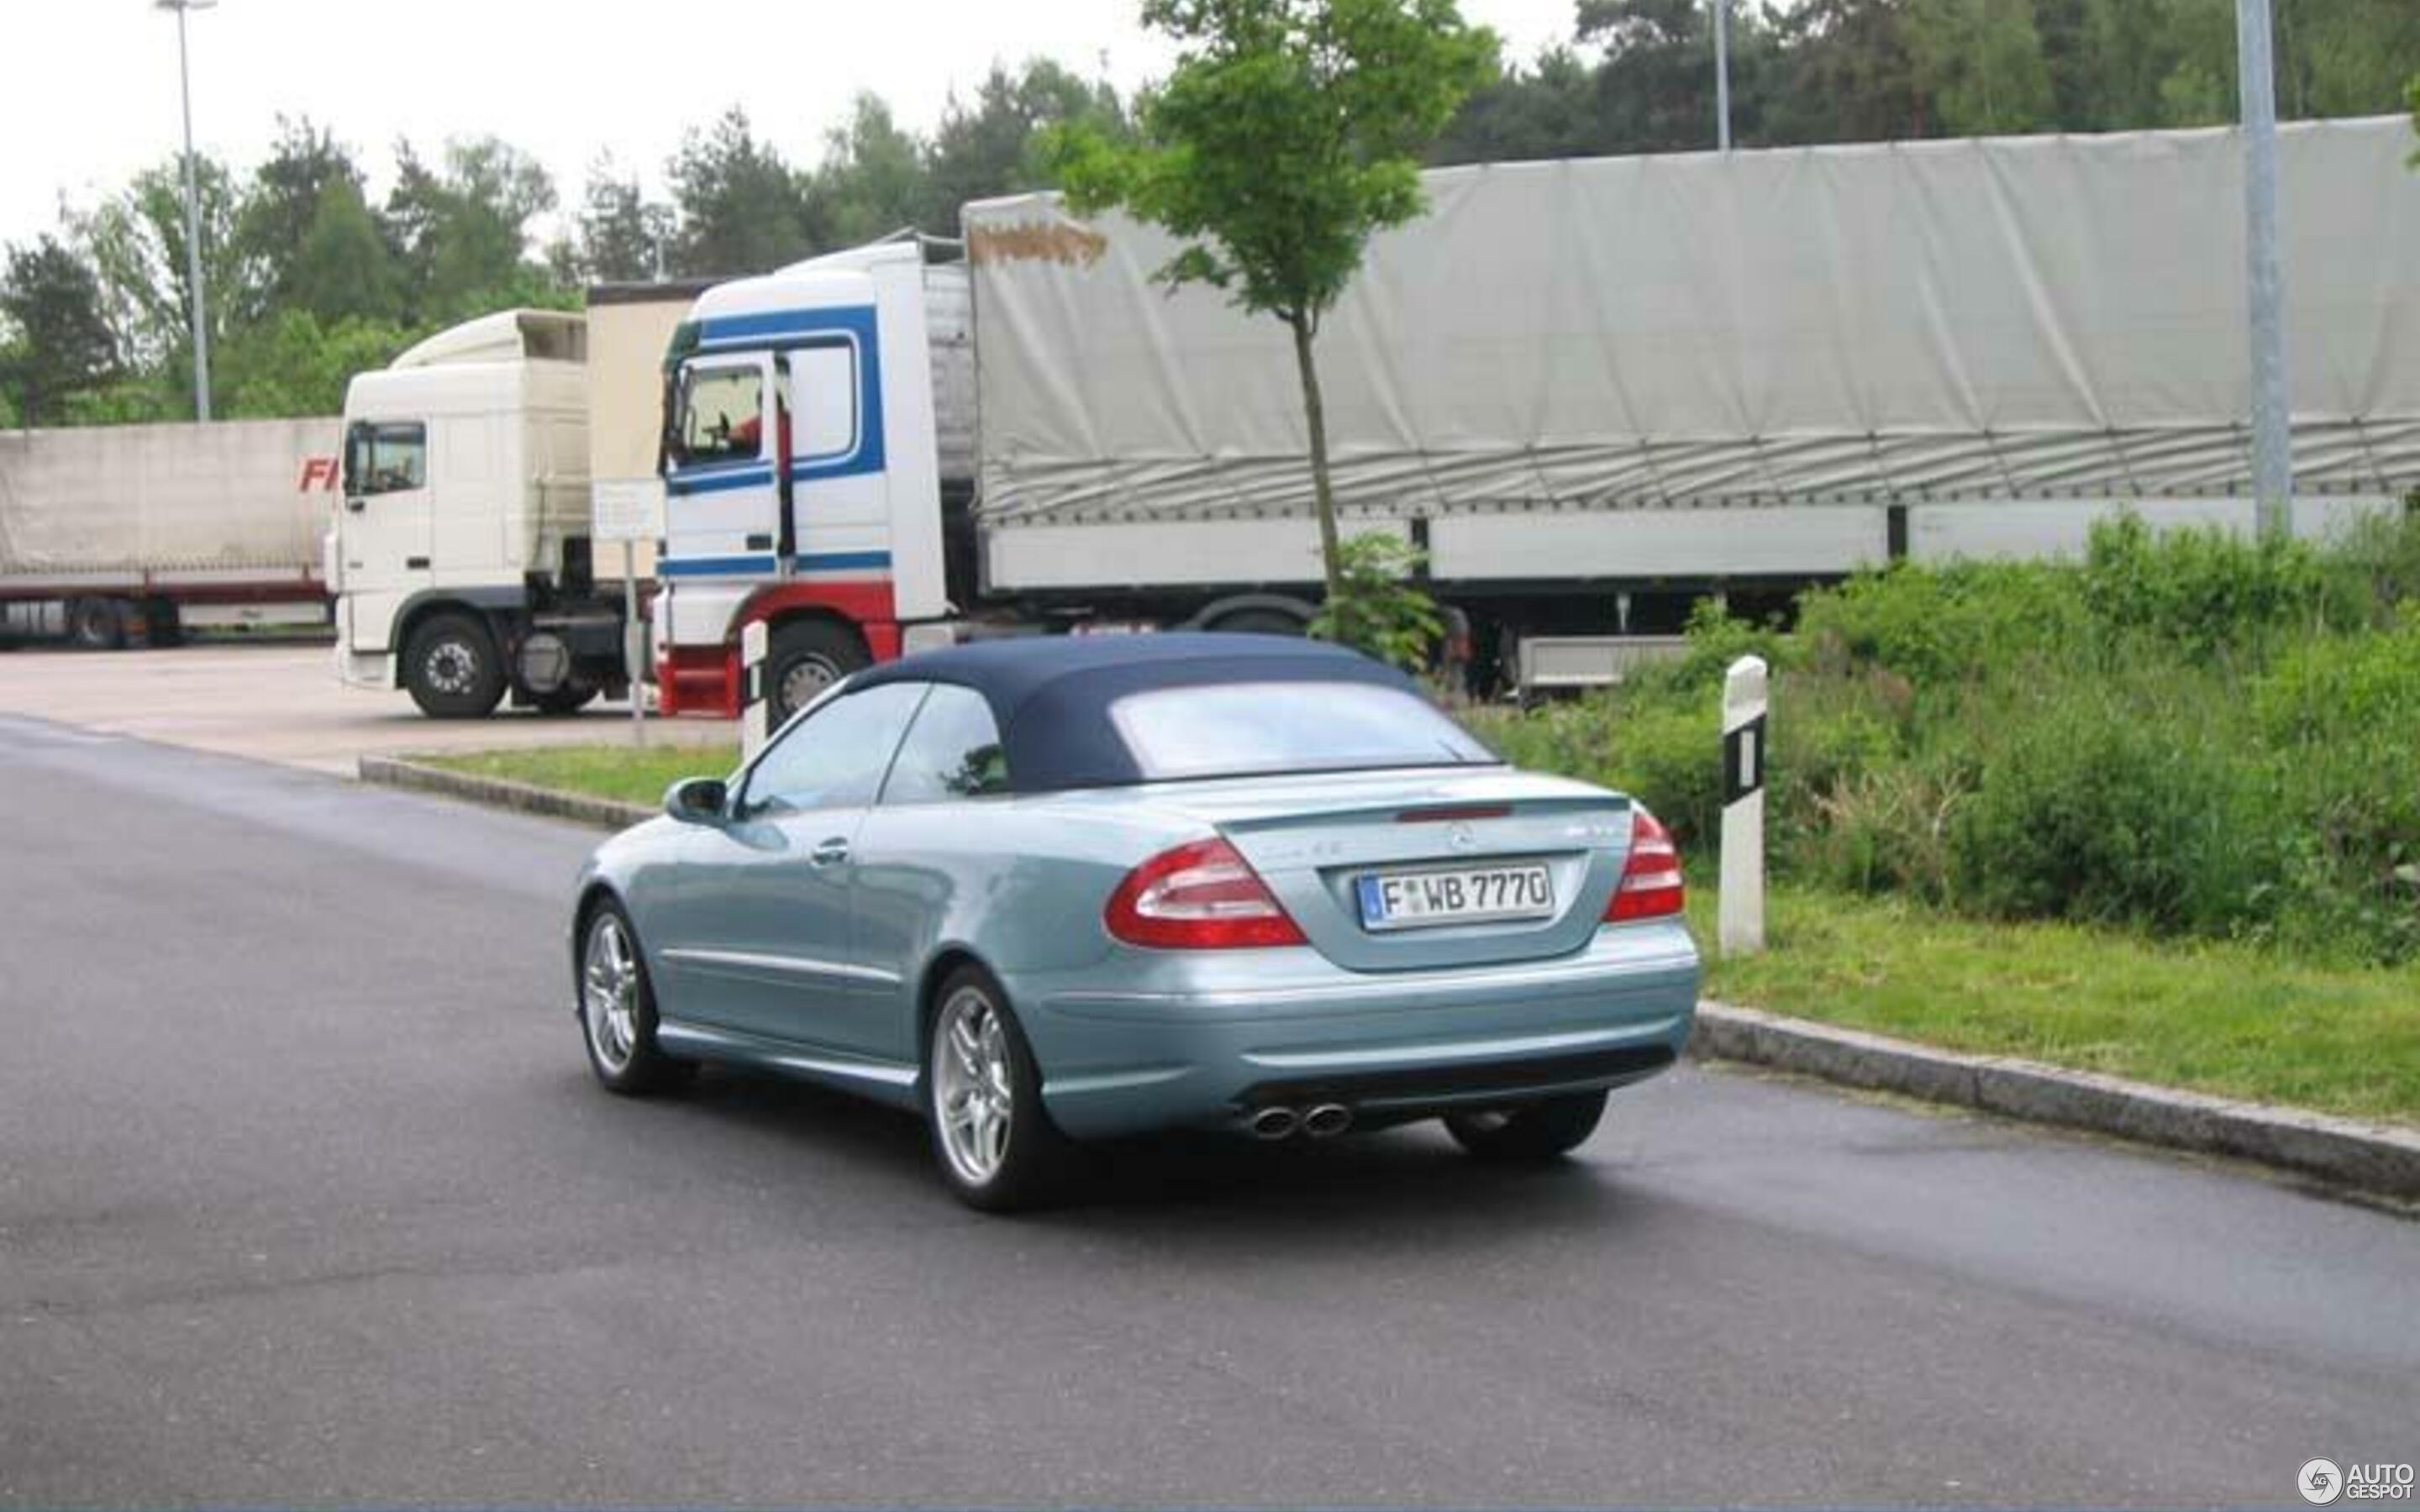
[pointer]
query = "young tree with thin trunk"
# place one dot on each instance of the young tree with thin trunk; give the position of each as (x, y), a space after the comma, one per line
(1288, 133)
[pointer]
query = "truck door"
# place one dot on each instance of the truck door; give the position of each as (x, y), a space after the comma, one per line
(832, 417)
(384, 531)
(721, 501)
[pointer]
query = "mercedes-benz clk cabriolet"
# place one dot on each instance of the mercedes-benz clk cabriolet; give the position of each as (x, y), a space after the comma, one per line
(1055, 889)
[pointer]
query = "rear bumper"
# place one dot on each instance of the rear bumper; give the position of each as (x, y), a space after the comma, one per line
(1285, 1026)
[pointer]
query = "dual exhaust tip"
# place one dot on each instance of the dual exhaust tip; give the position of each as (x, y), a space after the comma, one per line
(1319, 1121)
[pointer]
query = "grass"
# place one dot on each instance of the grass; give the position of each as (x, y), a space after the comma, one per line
(2220, 1018)
(630, 775)
(2223, 1018)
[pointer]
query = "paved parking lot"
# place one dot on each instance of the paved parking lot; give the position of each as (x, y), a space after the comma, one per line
(306, 1197)
(279, 702)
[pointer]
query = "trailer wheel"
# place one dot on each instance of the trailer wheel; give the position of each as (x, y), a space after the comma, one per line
(452, 668)
(808, 657)
(97, 623)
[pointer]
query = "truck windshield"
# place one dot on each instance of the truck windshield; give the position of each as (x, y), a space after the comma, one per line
(1255, 729)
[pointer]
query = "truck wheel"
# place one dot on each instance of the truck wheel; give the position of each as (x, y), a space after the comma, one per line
(452, 668)
(570, 699)
(809, 655)
(97, 623)
(1258, 622)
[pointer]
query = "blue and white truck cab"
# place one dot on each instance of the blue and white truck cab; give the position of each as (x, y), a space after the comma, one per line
(803, 455)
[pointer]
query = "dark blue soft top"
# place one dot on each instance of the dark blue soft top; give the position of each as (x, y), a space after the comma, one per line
(1050, 695)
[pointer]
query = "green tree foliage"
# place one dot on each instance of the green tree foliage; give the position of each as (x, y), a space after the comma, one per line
(459, 234)
(136, 244)
(1289, 131)
(1378, 608)
(871, 182)
(993, 146)
(57, 344)
(306, 237)
(624, 238)
(742, 208)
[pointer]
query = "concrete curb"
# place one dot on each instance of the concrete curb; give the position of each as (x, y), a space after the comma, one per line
(603, 813)
(2371, 1157)
(2365, 1156)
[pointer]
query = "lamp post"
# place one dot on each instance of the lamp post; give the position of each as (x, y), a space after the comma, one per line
(1723, 74)
(192, 211)
(2272, 447)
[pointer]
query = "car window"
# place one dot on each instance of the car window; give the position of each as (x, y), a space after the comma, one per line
(834, 758)
(1243, 729)
(952, 751)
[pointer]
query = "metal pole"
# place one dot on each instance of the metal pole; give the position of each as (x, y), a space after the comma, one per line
(634, 644)
(194, 228)
(2272, 454)
(1723, 74)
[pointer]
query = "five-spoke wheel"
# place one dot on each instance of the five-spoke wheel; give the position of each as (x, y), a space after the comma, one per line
(617, 1007)
(997, 1147)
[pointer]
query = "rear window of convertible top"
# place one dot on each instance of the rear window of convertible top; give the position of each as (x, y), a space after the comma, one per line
(1258, 729)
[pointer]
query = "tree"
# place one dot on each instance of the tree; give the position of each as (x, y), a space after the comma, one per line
(872, 180)
(742, 210)
(994, 147)
(135, 243)
(1288, 133)
(305, 234)
(624, 238)
(62, 344)
(1982, 61)
(460, 236)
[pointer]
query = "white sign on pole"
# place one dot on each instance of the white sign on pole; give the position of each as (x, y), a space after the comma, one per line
(627, 509)
(1739, 915)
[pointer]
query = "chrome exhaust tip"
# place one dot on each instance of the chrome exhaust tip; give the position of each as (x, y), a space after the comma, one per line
(1274, 1123)
(1328, 1120)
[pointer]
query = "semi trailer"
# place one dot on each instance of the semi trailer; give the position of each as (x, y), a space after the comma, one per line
(119, 535)
(1592, 393)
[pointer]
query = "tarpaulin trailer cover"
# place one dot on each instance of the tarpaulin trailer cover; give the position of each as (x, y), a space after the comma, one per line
(2006, 322)
(170, 499)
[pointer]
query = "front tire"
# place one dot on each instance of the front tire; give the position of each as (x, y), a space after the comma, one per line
(570, 699)
(808, 655)
(1531, 1133)
(97, 623)
(617, 1009)
(452, 668)
(992, 1138)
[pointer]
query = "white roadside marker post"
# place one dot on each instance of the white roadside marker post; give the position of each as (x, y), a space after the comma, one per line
(1740, 916)
(754, 644)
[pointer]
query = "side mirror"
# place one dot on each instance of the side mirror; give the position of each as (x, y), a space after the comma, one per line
(696, 800)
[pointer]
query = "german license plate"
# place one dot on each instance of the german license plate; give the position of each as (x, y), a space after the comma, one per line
(1456, 895)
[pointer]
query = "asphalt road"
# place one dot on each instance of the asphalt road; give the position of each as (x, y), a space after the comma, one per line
(306, 1196)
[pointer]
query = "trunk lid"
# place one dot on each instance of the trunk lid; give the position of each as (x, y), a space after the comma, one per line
(1420, 870)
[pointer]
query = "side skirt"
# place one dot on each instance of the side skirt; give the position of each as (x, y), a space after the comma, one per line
(883, 1081)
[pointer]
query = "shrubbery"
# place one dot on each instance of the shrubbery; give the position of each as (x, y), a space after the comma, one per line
(2190, 734)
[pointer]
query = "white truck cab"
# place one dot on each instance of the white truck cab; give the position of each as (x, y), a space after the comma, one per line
(460, 553)
(802, 472)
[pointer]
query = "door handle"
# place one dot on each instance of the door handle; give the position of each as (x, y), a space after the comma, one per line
(831, 852)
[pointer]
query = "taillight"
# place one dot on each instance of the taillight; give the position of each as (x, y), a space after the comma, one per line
(1203, 896)
(1651, 878)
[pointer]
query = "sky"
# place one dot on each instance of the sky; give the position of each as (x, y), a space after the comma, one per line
(88, 92)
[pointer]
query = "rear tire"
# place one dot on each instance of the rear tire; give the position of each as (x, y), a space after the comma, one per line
(994, 1141)
(1260, 622)
(1530, 1133)
(453, 669)
(808, 655)
(97, 623)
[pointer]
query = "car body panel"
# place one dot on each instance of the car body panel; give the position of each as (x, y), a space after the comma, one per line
(1130, 1038)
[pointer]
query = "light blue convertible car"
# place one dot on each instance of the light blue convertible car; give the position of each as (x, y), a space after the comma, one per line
(1052, 889)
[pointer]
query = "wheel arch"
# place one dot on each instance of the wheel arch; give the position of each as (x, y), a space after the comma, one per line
(595, 893)
(489, 606)
(944, 964)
